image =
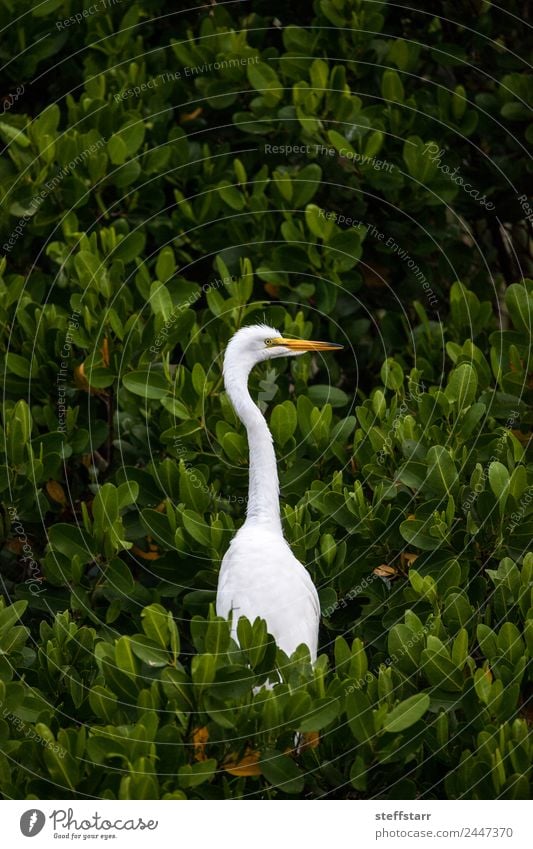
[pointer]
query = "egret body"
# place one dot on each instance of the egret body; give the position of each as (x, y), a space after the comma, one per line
(260, 576)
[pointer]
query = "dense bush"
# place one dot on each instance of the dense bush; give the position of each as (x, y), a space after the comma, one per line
(337, 170)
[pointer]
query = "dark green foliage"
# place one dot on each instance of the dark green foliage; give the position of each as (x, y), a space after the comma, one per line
(163, 183)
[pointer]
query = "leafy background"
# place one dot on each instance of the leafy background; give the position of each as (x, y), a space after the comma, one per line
(167, 177)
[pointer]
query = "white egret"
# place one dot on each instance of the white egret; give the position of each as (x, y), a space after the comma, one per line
(260, 576)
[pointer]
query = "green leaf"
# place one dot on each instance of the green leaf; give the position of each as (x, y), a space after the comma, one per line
(339, 143)
(321, 395)
(253, 639)
(132, 133)
(18, 365)
(405, 647)
(61, 766)
(360, 716)
(482, 685)
(510, 642)
(193, 776)
(13, 134)
(235, 447)
(324, 712)
(264, 79)
(203, 668)
(519, 302)
(442, 478)
(105, 506)
(316, 221)
(462, 385)
(319, 73)
(392, 87)
(157, 526)
(417, 156)
(284, 184)
(231, 195)
(165, 266)
(283, 422)
(154, 619)
(487, 641)
(193, 490)
(116, 147)
(125, 658)
(196, 527)
(149, 651)
(416, 532)
(19, 427)
(457, 611)
(71, 541)
(119, 576)
(346, 249)
(176, 408)
(103, 702)
(217, 637)
(412, 474)
(406, 713)
(282, 772)
(305, 184)
(499, 481)
(130, 246)
(148, 384)
(10, 615)
(439, 669)
(470, 419)
(88, 266)
(460, 648)
(160, 300)
(518, 482)
(392, 374)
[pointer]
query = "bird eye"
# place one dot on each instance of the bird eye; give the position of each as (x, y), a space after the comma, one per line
(268, 342)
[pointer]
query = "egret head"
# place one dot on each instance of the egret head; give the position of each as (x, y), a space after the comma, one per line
(259, 342)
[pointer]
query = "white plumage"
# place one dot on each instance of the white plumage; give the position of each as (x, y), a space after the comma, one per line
(260, 576)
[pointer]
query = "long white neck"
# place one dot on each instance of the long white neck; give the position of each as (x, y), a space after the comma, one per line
(263, 489)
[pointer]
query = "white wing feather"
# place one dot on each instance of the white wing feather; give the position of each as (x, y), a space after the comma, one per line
(260, 576)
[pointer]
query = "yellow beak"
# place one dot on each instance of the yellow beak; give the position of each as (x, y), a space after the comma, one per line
(306, 344)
